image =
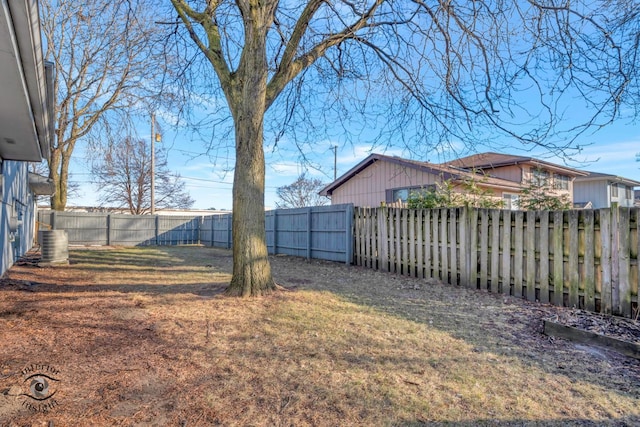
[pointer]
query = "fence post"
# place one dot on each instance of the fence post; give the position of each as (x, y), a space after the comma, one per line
(157, 226)
(229, 224)
(275, 231)
(349, 234)
(308, 233)
(108, 229)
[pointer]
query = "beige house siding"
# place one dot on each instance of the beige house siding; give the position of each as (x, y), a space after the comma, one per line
(373, 180)
(528, 177)
(368, 188)
(512, 173)
(523, 174)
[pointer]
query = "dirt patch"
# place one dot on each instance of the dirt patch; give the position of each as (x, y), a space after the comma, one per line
(143, 336)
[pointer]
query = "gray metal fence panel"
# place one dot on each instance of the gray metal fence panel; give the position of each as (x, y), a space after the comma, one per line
(178, 230)
(130, 230)
(322, 232)
(331, 234)
(206, 230)
(123, 230)
(85, 229)
(221, 231)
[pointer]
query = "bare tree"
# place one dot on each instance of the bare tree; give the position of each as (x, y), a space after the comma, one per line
(42, 169)
(422, 73)
(105, 62)
(123, 176)
(301, 193)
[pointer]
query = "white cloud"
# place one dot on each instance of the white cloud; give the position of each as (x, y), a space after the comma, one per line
(286, 168)
(610, 157)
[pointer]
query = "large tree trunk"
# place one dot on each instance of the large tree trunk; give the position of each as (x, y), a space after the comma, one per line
(59, 161)
(58, 172)
(251, 268)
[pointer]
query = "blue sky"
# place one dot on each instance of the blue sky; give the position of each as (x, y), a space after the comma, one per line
(209, 179)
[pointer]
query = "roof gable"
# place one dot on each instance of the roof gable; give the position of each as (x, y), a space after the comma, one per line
(445, 171)
(608, 178)
(490, 160)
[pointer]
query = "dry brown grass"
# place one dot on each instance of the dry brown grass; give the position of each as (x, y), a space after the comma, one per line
(143, 336)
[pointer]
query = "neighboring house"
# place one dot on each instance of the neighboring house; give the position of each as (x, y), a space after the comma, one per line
(601, 190)
(26, 109)
(380, 178)
(523, 170)
(385, 179)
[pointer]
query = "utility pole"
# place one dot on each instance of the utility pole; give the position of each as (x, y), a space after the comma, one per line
(335, 162)
(153, 164)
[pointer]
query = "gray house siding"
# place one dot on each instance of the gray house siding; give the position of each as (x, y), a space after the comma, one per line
(26, 113)
(18, 213)
(599, 193)
(596, 192)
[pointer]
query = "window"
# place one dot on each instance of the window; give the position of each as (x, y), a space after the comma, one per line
(628, 192)
(561, 182)
(402, 194)
(614, 190)
(539, 177)
(511, 201)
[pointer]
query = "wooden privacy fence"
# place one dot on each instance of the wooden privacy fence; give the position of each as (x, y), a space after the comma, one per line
(578, 258)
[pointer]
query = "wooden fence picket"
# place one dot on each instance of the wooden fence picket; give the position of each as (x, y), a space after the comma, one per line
(543, 248)
(580, 258)
(558, 258)
(495, 250)
(573, 258)
(518, 254)
(453, 246)
(624, 286)
(473, 249)
(483, 247)
(420, 243)
(435, 246)
(506, 252)
(589, 260)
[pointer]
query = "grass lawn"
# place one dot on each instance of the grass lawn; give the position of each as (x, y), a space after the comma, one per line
(143, 337)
